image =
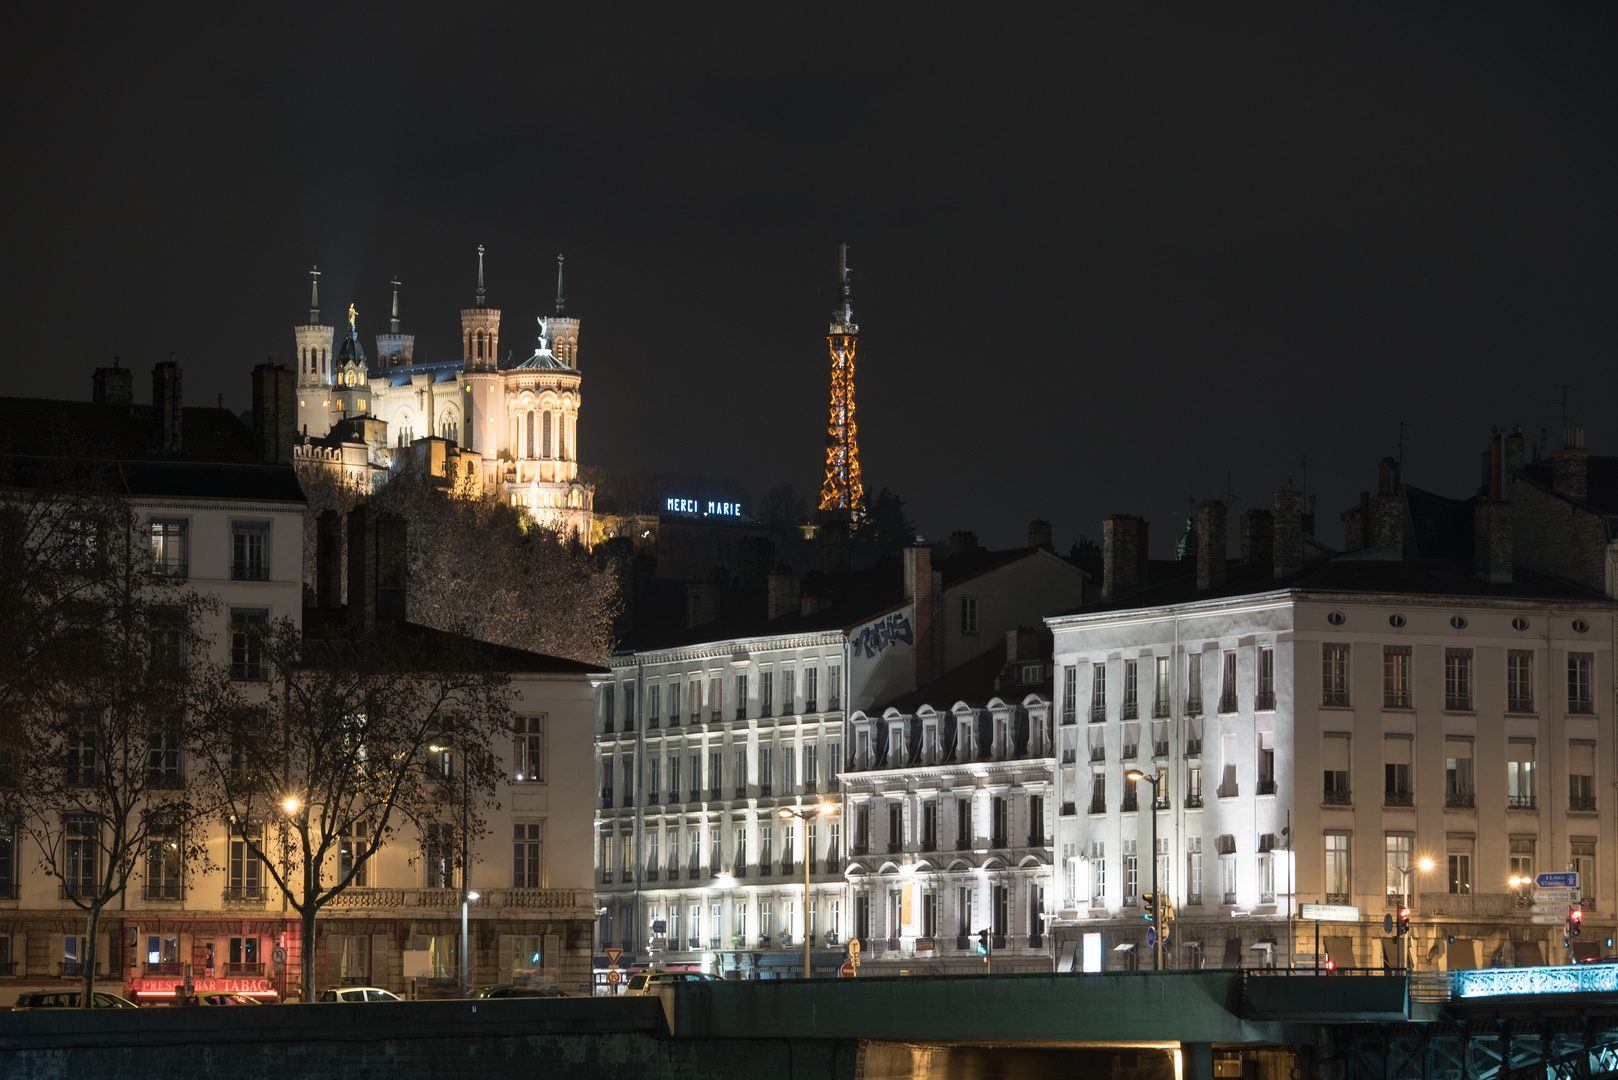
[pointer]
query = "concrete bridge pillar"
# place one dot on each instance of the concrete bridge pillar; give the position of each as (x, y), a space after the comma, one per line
(1196, 1060)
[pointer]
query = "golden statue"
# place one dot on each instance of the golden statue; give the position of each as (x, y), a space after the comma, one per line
(351, 316)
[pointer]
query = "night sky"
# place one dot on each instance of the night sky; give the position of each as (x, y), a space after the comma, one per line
(1101, 262)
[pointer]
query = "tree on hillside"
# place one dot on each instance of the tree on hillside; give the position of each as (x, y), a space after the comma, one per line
(328, 757)
(782, 508)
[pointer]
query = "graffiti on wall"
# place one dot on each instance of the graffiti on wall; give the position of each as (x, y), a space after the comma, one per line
(879, 636)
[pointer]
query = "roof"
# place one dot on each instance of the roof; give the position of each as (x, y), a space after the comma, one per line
(542, 359)
(973, 681)
(330, 628)
(115, 446)
(351, 352)
(1601, 479)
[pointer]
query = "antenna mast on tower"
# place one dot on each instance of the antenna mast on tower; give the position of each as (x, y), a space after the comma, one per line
(842, 489)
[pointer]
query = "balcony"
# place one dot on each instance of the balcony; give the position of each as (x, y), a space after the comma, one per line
(1520, 802)
(1160, 749)
(789, 869)
(67, 890)
(713, 794)
(1193, 748)
(1098, 753)
(8, 967)
(1266, 787)
(859, 850)
(651, 873)
(1337, 798)
(696, 795)
(1130, 803)
(1036, 839)
(1160, 709)
(1193, 802)
(895, 847)
(1458, 704)
(809, 705)
(606, 800)
(1130, 751)
(1070, 715)
(1264, 701)
(1098, 806)
(1519, 705)
(998, 842)
(741, 791)
(1335, 698)
(1098, 714)
(1131, 710)
(163, 890)
(1070, 757)
(766, 868)
(999, 940)
(1397, 798)
(963, 942)
(8, 890)
(693, 944)
(249, 571)
(74, 969)
(1460, 800)
(766, 790)
(1228, 791)
(166, 967)
(1193, 706)
(1069, 809)
(1581, 803)
(1465, 904)
(1036, 941)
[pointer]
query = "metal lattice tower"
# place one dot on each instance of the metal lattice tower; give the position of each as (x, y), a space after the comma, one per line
(842, 489)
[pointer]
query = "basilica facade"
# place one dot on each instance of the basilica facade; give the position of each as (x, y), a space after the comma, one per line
(507, 426)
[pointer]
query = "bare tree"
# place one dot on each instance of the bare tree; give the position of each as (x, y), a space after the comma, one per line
(329, 758)
(96, 704)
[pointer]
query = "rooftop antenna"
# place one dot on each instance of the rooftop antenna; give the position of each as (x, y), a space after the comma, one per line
(1231, 498)
(393, 324)
(1401, 442)
(559, 304)
(480, 276)
(314, 296)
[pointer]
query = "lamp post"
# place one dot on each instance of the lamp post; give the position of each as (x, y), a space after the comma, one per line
(806, 816)
(1157, 901)
(1404, 886)
(466, 861)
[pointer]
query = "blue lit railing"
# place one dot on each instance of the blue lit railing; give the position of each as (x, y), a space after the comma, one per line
(1564, 979)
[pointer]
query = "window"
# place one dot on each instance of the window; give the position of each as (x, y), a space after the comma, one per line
(766, 693)
(82, 846)
(169, 557)
(1266, 763)
(716, 696)
(739, 864)
(1398, 867)
(834, 845)
(1193, 694)
(629, 780)
(789, 692)
(789, 770)
(741, 773)
(766, 770)
(1581, 776)
(247, 627)
(674, 715)
(609, 707)
(527, 856)
(245, 956)
(811, 688)
(168, 635)
(1227, 785)
(438, 858)
(250, 550)
(811, 775)
(1227, 869)
(696, 777)
(1193, 787)
(654, 703)
(1579, 699)
(530, 749)
(1460, 865)
(834, 686)
(246, 868)
(1458, 679)
(1337, 868)
(1583, 852)
(1264, 694)
(608, 769)
(528, 954)
(716, 855)
(1522, 864)
(896, 827)
(8, 859)
(1193, 870)
(1131, 690)
(1098, 693)
(1396, 677)
(1070, 694)
(164, 862)
(629, 706)
(1334, 674)
(1458, 790)
(1098, 793)
(654, 786)
(741, 696)
(1396, 753)
(653, 855)
(929, 825)
(1227, 684)
(1160, 695)
(1520, 774)
(834, 753)
(963, 824)
(1334, 756)
(1036, 821)
(969, 614)
(716, 773)
(1519, 681)
(999, 821)
(351, 844)
(1098, 874)
(1131, 873)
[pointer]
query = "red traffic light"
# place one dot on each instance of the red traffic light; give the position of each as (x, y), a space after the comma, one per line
(1575, 915)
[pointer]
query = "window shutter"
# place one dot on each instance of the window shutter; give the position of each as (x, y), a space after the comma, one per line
(1335, 754)
(1581, 759)
(553, 952)
(380, 960)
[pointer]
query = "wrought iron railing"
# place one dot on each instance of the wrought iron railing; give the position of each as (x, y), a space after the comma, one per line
(1519, 802)
(1397, 798)
(1464, 800)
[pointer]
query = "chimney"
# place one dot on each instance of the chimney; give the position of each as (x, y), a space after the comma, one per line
(329, 560)
(275, 413)
(923, 586)
(785, 595)
(1258, 538)
(834, 547)
(701, 604)
(962, 542)
(166, 399)
(1491, 522)
(755, 559)
(1288, 540)
(1387, 476)
(390, 567)
(113, 385)
(1387, 526)
(1022, 644)
(1123, 555)
(1515, 448)
(1570, 466)
(1039, 534)
(1211, 544)
(362, 570)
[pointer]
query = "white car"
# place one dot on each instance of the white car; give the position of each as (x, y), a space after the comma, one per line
(352, 994)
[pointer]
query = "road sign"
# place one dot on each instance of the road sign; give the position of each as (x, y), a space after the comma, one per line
(612, 956)
(613, 977)
(854, 948)
(1151, 939)
(1544, 920)
(1552, 909)
(659, 926)
(1555, 896)
(1328, 913)
(1557, 881)
(847, 971)
(279, 955)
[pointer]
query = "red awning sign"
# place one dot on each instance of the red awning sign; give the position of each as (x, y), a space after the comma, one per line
(166, 987)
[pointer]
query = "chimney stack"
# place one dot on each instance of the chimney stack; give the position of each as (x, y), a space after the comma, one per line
(1288, 541)
(962, 542)
(166, 405)
(1491, 522)
(1022, 644)
(701, 604)
(1258, 538)
(1211, 544)
(362, 570)
(1516, 448)
(785, 595)
(923, 587)
(390, 566)
(113, 385)
(275, 412)
(1123, 555)
(1570, 466)
(329, 560)
(1039, 534)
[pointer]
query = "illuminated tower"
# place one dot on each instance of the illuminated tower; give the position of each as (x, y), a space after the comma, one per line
(480, 330)
(314, 366)
(394, 348)
(564, 330)
(842, 489)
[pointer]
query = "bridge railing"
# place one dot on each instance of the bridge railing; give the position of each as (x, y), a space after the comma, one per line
(1561, 979)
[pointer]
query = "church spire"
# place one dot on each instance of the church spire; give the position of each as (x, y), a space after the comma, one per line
(481, 301)
(393, 324)
(559, 302)
(314, 296)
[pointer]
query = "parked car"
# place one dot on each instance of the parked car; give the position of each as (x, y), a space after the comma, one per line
(226, 997)
(352, 994)
(515, 990)
(646, 982)
(69, 999)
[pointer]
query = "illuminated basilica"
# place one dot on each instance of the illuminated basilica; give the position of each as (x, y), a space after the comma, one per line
(474, 421)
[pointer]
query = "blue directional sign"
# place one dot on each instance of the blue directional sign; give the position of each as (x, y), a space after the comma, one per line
(1557, 881)
(1151, 939)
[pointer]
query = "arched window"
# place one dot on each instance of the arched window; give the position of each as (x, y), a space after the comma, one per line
(545, 434)
(529, 419)
(479, 337)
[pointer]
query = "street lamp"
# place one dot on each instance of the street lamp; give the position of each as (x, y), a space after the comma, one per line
(807, 815)
(1157, 901)
(1424, 866)
(466, 861)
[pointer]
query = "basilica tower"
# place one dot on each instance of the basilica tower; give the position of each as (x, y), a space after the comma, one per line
(314, 366)
(480, 330)
(394, 348)
(564, 331)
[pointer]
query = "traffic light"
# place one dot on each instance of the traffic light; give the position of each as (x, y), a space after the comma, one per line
(1575, 921)
(1404, 920)
(983, 943)
(1149, 906)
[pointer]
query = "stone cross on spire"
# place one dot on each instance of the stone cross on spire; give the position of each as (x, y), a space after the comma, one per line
(480, 276)
(559, 303)
(314, 296)
(393, 324)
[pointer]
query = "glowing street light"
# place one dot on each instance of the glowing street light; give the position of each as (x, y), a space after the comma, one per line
(807, 814)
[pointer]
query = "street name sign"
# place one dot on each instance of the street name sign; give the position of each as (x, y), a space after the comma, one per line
(1555, 896)
(1329, 913)
(1542, 920)
(1551, 909)
(1557, 881)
